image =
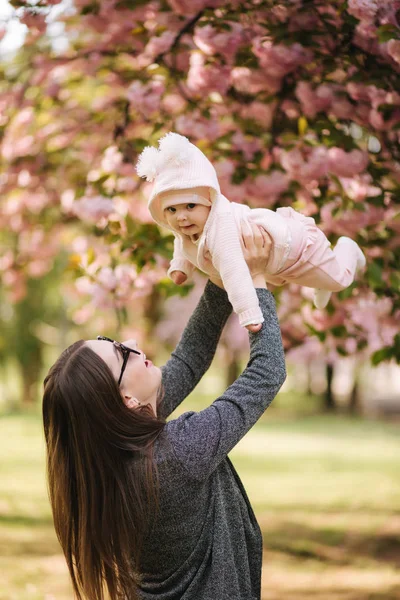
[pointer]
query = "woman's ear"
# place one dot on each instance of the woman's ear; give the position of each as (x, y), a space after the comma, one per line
(131, 402)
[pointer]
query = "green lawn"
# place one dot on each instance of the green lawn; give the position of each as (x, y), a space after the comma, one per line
(326, 491)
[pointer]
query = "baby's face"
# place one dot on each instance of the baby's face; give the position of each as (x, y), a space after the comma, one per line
(188, 219)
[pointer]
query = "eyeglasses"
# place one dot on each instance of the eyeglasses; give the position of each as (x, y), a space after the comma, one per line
(125, 351)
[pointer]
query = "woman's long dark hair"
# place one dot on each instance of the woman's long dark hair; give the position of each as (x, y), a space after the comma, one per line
(101, 475)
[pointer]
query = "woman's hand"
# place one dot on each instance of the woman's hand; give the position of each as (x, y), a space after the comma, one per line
(257, 246)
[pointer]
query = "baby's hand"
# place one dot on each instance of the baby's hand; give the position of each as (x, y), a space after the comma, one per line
(254, 328)
(178, 277)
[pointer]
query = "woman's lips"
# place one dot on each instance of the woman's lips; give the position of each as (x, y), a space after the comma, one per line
(148, 363)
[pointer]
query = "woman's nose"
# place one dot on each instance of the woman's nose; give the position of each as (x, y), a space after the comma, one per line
(131, 343)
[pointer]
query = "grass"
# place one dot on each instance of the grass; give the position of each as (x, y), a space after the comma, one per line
(326, 492)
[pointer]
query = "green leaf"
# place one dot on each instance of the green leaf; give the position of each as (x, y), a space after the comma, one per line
(321, 335)
(385, 353)
(374, 274)
(387, 32)
(339, 331)
(167, 288)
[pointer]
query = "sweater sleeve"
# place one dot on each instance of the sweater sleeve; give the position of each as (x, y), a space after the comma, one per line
(202, 440)
(196, 348)
(227, 257)
(179, 261)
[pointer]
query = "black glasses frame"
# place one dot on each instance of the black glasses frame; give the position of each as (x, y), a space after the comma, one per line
(125, 351)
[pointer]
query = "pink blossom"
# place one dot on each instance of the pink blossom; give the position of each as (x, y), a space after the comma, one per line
(305, 200)
(34, 21)
(365, 38)
(373, 315)
(6, 260)
(38, 268)
(14, 148)
(251, 81)
(349, 222)
(16, 283)
(92, 209)
(393, 49)
(359, 188)
(145, 98)
(311, 350)
(83, 314)
(260, 112)
(248, 145)
(305, 164)
(392, 219)
(224, 168)
(277, 59)
(372, 94)
(112, 159)
(173, 104)
(106, 278)
(377, 120)
(159, 45)
(290, 108)
(138, 209)
(211, 41)
(234, 193)
(342, 108)
(204, 78)
(313, 101)
(364, 10)
(191, 7)
(347, 164)
(265, 190)
(304, 21)
(197, 127)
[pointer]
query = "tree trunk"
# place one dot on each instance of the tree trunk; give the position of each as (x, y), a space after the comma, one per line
(355, 400)
(329, 400)
(232, 371)
(30, 372)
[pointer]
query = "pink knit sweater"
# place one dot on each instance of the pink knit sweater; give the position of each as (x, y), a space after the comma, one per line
(218, 252)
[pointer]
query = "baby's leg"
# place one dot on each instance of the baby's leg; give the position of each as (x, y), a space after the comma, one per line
(336, 270)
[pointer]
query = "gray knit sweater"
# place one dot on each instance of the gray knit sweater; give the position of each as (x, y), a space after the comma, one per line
(206, 543)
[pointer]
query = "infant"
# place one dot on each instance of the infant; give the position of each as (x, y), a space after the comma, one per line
(186, 199)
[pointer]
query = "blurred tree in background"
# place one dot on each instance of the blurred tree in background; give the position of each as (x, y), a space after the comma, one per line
(295, 102)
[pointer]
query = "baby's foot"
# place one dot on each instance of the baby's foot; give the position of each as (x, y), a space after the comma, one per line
(361, 261)
(321, 298)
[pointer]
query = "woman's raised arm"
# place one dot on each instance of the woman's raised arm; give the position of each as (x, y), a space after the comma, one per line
(202, 440)
(196, 348)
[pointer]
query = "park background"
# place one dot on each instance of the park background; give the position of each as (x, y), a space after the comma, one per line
(297, 103)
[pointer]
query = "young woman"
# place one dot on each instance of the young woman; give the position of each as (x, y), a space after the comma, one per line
(150, 509)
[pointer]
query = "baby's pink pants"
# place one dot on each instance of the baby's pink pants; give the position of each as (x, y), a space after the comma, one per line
(311, 261)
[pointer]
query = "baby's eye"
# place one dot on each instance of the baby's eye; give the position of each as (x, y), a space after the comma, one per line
(171, 209)
(191, 205)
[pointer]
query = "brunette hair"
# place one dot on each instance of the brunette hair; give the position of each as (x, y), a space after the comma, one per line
(102, 479)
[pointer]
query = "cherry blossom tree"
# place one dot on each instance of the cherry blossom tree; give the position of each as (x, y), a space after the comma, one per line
(296, 102)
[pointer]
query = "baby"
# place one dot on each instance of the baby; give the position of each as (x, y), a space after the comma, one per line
(187, 200)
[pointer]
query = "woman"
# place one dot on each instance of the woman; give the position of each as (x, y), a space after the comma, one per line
(148, 509)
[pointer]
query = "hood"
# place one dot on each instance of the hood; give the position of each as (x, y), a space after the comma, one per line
(176, 165)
